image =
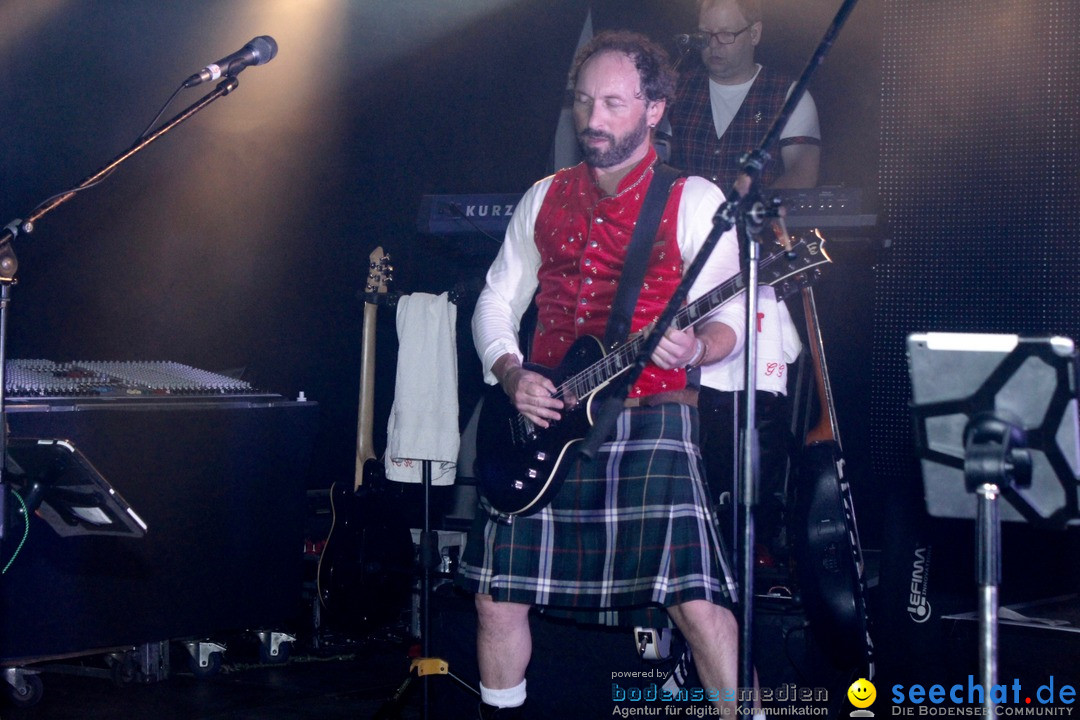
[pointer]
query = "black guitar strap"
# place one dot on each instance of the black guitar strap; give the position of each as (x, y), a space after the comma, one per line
(637, 254)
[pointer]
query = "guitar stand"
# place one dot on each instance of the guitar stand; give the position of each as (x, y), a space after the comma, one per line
(424, 666)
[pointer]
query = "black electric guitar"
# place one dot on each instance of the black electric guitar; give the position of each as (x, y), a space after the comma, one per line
(365, 567)
(828, 555)
(521, 466)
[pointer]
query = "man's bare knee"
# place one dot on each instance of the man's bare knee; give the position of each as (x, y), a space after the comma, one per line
(494, 614)
(704, 618)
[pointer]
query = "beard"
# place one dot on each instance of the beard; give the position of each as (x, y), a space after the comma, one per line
(618, 149)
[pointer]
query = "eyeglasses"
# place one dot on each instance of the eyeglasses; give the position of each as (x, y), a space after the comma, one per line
(723, 37)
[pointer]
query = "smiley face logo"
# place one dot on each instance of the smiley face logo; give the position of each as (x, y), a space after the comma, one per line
(862, 693)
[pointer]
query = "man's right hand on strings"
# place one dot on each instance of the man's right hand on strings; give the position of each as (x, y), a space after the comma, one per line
(531, 393)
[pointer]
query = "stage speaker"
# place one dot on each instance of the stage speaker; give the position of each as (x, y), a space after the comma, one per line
(965, 257)
(927, 572)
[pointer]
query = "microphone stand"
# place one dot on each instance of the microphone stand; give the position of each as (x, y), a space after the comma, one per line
(748, 212)
(752, 219)
(9, 264)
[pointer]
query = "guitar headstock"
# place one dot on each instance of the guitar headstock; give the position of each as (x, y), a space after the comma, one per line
(797, 265)
(380, 275)
(814, 241)
(780, 233)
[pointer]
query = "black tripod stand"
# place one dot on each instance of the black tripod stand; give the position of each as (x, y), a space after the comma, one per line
(424, 666)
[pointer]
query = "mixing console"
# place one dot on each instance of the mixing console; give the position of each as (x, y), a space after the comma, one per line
(45, 378)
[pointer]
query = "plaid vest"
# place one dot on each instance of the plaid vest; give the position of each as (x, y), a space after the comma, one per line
(694, 145)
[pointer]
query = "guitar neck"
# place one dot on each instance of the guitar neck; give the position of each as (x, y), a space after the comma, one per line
(621, 358)
(365, 447)
(826, 429)
(379, 270)
(773, 271)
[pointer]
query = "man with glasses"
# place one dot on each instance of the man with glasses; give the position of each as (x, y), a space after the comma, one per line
(723, 107)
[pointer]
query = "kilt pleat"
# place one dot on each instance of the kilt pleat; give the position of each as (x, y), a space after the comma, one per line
(630, 529)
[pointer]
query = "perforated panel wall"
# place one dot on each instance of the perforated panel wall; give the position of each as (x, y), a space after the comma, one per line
(979, 145)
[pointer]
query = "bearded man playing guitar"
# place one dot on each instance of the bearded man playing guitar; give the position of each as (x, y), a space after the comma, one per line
(631, 529)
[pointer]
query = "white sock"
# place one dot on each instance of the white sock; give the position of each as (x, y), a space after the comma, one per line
(510, 697)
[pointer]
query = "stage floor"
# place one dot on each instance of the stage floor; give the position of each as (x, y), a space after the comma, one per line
(574, 674)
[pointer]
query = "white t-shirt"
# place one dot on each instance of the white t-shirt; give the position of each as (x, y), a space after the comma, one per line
(727, 99)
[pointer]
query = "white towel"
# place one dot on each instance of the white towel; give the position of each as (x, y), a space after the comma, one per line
(424, 418)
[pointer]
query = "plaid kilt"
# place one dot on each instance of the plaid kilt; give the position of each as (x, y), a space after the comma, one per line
(630, 530)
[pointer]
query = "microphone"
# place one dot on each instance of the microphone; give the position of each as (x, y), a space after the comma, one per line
(259, 51)
(692, 41)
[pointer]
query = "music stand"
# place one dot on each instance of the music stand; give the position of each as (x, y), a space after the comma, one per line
(59, 484)
(996, 417)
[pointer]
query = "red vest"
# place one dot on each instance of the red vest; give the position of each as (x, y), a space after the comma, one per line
(582, 236)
